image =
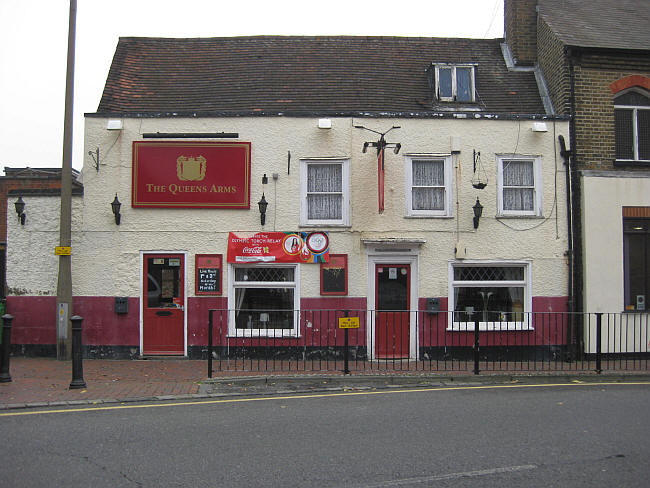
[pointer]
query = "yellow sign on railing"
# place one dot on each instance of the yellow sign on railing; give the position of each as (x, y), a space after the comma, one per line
(349, 323)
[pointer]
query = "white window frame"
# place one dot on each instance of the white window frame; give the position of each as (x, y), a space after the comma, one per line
(526, 283)
(454, 84)
(635, 124)
(448, 174)
(344, 221)
(537, 186)
(233, 285)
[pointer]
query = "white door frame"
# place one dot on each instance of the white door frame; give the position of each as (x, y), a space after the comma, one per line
(386, 255)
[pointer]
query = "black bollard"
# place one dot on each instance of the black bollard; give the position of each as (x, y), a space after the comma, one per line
(5, 377)
(77, 355)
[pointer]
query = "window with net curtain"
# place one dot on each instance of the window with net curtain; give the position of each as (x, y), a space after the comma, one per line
(325, 190)
(518, 186)
(428, 179)
(428, 185)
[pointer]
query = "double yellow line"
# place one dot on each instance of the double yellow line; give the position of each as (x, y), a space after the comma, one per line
(171, 403)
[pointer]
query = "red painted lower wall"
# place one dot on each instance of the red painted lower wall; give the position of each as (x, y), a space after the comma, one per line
(35, 323)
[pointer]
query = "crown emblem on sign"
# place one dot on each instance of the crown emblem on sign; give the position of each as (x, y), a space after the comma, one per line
(190, 168)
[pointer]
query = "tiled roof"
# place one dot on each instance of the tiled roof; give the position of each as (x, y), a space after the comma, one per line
(275, 74)
(613, 24)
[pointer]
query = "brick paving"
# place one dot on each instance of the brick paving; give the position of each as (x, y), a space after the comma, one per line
(48, 380)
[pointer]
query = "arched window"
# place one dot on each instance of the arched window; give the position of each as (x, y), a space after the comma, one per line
(632, 125)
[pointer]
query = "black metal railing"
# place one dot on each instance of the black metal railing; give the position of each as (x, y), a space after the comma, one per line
(415, 341)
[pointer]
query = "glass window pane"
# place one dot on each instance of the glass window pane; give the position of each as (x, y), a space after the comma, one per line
(488, 273)
(624, 134)
(632, 98)
(643, 133)
(489, 304)
(324, 207)
(428, 199)
(635, 268)
(518, 173)
(519, 199)
(264, 308)
(325, 178)
(428, 173)
(464, 84)
(163, 283)
(264, 274)
(444, 83)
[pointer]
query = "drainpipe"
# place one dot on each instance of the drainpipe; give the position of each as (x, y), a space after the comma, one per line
(576, 238)
(566, 155)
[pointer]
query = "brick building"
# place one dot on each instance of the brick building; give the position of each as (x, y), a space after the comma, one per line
(19, 182)
(595, 59)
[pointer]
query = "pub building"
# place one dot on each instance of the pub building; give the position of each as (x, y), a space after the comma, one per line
(414, 183)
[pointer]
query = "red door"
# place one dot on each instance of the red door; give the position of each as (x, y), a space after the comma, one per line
(392, 298)
(163, 316)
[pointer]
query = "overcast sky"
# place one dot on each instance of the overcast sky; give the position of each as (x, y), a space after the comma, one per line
(33, 48)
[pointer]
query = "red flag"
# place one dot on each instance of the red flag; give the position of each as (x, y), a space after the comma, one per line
(380, 179)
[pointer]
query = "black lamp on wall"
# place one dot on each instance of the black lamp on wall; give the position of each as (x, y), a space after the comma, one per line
(263, 204)
(478, 211)
(115, 206)
(20, 209)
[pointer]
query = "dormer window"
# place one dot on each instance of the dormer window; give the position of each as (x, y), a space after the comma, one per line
(455, 82)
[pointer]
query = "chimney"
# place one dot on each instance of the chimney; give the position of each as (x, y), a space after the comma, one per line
(521, 30)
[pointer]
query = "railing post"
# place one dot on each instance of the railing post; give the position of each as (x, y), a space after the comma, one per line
(5, 377)
(77, 355)
(476, 349)
(599, 334)
(346, 369)
(210, 349)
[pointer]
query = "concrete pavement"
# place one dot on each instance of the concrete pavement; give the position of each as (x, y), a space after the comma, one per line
(41, 382)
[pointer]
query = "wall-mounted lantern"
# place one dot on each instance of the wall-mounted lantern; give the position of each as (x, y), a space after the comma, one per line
(115, 206)
(478, 211)
(20, 209)
(262, 205)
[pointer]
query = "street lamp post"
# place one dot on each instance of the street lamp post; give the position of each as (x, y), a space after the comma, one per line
(64, 284)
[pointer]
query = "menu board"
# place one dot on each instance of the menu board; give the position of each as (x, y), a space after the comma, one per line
(208, 274)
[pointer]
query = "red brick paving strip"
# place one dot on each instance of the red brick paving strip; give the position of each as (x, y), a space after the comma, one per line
(48, 380)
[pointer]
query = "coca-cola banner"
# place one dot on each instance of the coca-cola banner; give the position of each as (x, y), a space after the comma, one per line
(279, 247)
(197, 174)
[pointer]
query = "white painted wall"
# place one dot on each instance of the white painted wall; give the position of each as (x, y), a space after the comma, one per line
(604, 194)
(106, 257)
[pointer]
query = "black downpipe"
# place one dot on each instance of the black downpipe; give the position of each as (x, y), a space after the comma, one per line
(566, 155)
(575, 209)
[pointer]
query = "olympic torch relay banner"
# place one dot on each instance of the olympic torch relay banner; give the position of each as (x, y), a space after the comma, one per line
(198, 174)
(279, 247)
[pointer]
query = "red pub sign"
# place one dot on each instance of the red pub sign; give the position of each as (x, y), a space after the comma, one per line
(197, 174)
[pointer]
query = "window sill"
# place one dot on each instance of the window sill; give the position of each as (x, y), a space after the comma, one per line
(490, 327)
(522, 216)
(254, 334)
(323, 225)
(428, 216)
(632, 162)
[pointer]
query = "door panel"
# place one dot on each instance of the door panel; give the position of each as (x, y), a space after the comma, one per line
(392, 298)
(163, 316)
